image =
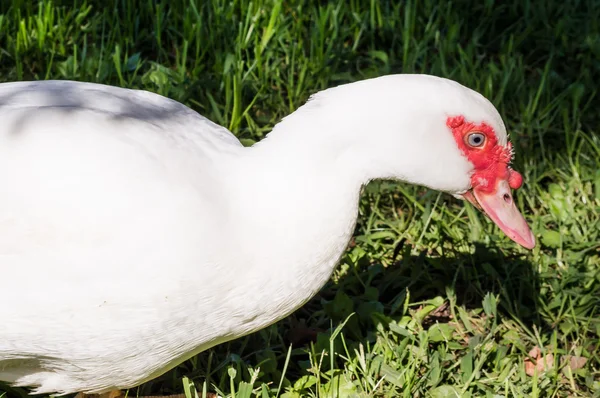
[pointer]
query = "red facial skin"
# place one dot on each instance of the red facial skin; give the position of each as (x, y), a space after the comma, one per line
(491, 160)
(492, 179)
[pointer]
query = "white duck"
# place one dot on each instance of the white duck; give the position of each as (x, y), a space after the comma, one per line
(135, 233)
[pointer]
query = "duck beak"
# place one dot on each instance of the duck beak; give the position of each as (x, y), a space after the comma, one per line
(500, 207)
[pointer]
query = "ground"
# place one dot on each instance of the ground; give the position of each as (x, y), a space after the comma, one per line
(431, 300)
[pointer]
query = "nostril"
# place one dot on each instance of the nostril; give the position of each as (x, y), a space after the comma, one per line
(507, 198)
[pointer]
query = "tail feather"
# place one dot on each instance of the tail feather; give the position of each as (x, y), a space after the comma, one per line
(31, 372)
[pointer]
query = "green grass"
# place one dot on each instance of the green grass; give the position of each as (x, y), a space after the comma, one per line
(431, 299)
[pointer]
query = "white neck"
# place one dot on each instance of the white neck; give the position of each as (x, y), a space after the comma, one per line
(299, 210)
(295, 210)
(294, 196)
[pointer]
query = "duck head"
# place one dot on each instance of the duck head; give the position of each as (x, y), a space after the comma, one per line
(423, 130)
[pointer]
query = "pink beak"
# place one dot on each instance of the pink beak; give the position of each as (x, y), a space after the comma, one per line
(501, 209)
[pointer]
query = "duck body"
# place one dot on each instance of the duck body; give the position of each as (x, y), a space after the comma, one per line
(135, 233)
(123, 254)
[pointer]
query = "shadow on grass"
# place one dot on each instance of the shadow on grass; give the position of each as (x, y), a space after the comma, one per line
(458, 278)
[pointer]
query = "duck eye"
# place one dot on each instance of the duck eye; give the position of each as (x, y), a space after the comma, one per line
(475, 140)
